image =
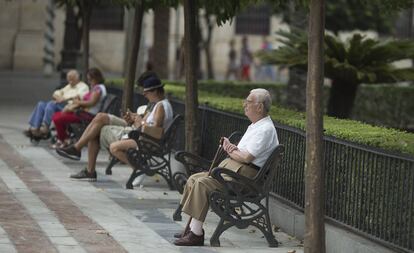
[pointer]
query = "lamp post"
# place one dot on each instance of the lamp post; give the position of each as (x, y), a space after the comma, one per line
(48, 59)
(71, 44)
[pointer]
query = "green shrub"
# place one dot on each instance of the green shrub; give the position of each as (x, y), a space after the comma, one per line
(239, 89)
(115, 82)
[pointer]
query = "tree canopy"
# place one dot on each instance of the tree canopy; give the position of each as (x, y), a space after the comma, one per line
(362, 59)
(347, 63)
(346, 15)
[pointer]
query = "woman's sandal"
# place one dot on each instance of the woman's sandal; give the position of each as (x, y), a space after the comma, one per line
(55, 145)
(64, 144)
(36, 134)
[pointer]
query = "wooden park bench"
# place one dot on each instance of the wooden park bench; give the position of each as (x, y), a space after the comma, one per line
(244, 201)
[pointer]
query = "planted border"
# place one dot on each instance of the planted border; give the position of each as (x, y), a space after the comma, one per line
(350, 130)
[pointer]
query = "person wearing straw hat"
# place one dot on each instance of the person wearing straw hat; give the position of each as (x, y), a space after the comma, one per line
(256, 145)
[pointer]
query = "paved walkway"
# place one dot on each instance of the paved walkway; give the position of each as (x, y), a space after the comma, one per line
(42, 210)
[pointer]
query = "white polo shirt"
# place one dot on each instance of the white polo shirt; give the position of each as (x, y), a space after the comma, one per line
(260, 139)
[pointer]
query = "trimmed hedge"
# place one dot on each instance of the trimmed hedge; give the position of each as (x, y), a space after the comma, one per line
(381, 105)
(230, 88)
(240, 89)
(358, 132)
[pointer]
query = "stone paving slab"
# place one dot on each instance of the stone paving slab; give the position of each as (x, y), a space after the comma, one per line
(44, 217)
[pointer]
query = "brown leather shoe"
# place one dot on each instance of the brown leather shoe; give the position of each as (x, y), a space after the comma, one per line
(44, 129)
(179, 235)
(35, 132)
(190, 239)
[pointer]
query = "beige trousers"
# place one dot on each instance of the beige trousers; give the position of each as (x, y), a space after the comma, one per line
(195, 199)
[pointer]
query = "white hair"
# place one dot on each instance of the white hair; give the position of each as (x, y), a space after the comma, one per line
(73, 73)
(263, 96)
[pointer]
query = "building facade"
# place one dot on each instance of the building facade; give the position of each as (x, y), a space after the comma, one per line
(23, 25)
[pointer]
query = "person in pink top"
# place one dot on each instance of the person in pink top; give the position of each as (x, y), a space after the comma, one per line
(89, 106)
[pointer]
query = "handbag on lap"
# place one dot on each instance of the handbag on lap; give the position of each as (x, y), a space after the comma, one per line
(153, 131)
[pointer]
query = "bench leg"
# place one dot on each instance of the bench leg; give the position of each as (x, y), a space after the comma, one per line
(165, 172)
(129, 184)
(271, 240)
(180, 179)
(111, 164)
(168, 173)
(266, 229)
(177, 214)
(171, 184)
(221, 227)
(134, 174)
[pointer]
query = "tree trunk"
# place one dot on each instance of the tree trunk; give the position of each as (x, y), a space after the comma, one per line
(314, 171)
(86, 18)
(127, 96)
(341, 98)
(192, 142)
(199, 47)
(161, 41)
(207, 48)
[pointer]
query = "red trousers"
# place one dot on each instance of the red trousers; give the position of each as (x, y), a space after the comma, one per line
(63, 119)
(245, 74)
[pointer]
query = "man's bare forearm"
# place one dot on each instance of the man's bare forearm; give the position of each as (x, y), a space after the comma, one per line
(241, 156)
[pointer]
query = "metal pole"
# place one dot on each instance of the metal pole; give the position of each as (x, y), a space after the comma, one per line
(49, 58)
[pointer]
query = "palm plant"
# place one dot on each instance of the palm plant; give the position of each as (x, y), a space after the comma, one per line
(347, 64)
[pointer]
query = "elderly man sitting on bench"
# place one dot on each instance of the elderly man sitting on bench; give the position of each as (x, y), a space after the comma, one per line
(246, 158)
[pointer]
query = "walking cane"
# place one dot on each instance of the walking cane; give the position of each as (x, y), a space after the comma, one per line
(216, 155)
(209, 173)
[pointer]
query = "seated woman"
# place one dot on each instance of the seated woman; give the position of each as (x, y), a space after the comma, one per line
(161, 116)
(89, 105)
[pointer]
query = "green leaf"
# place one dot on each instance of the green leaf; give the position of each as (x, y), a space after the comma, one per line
(358, 60)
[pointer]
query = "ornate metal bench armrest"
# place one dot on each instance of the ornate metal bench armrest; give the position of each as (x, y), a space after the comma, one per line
(235, 184)
(235, 137)
(150, 147)
(192, 162)
(78, 111)
(136, 134)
